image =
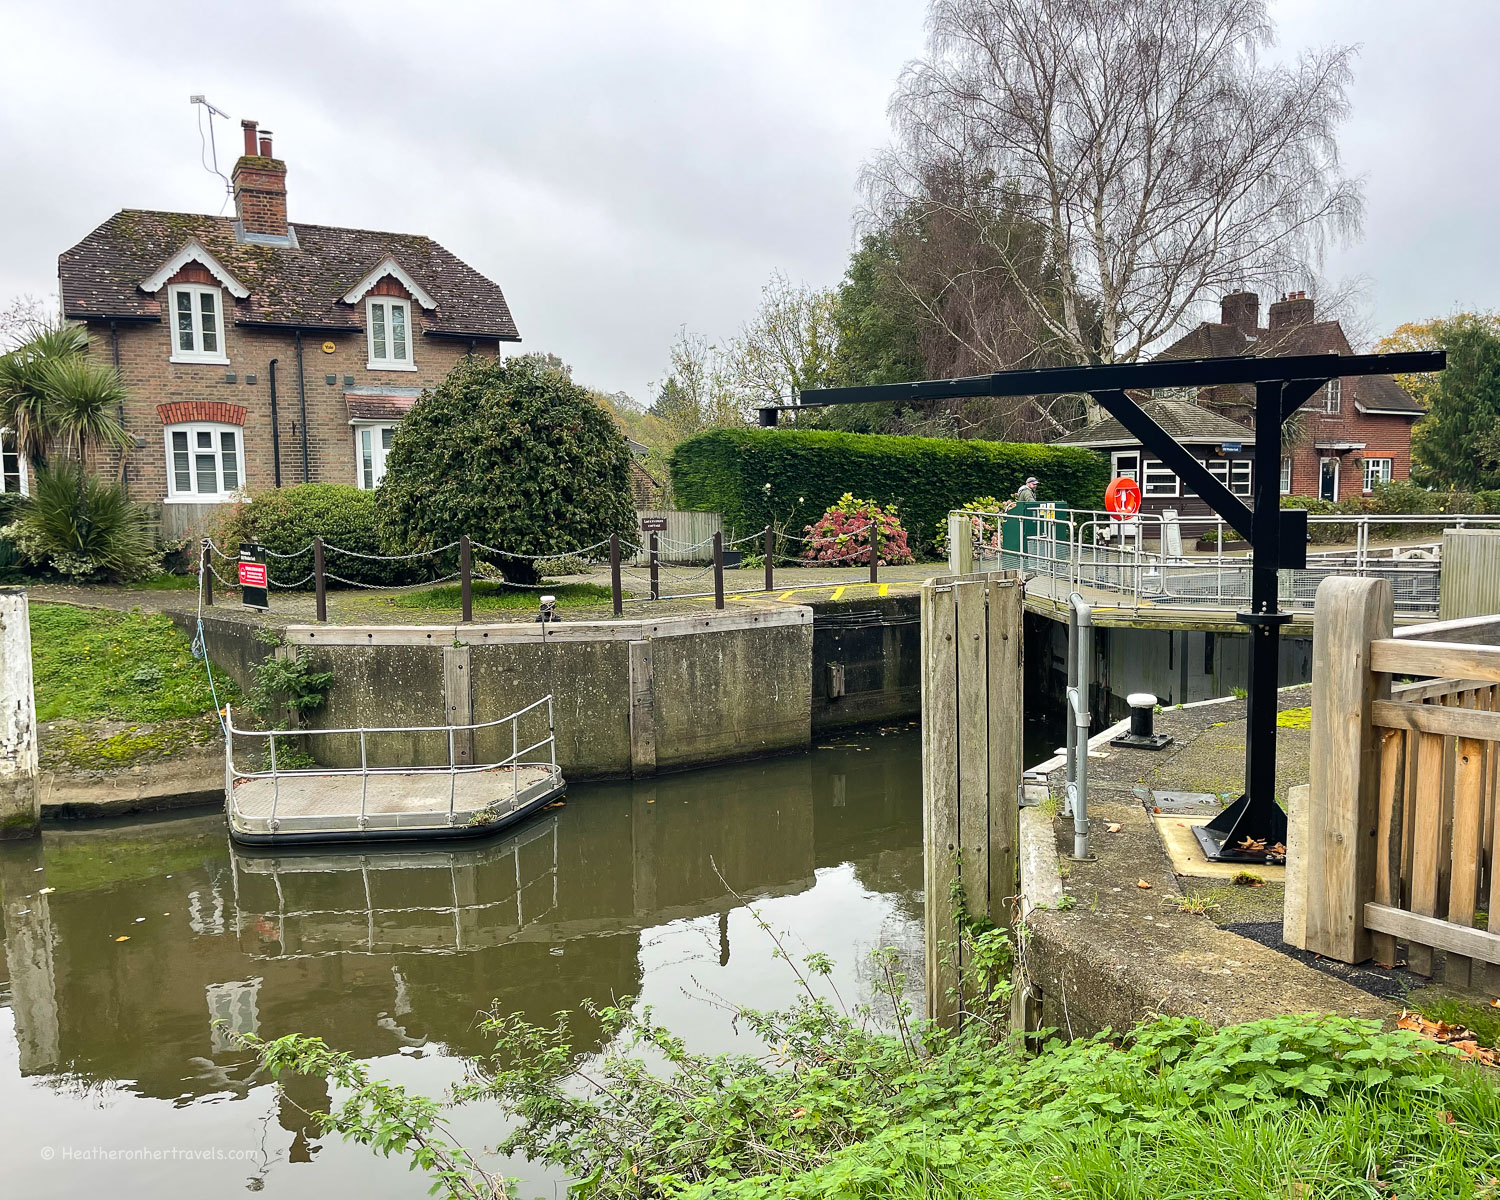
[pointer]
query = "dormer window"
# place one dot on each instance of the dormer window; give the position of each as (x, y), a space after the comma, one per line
(197, 324)
(388, 324)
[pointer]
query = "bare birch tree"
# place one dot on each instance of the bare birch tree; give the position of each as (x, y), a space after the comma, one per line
(789, 344)
(1162, 160)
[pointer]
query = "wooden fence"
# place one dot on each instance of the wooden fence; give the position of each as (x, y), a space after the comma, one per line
(971, 765)
(1405, 787)
(686, 538)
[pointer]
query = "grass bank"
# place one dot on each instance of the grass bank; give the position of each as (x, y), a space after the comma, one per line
(497, 597)
(116, 688)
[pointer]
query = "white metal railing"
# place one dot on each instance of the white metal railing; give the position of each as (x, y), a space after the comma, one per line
(276, 773)
(1145, 560)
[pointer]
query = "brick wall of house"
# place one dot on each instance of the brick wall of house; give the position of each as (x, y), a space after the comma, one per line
(152, 380)
(1383, 437)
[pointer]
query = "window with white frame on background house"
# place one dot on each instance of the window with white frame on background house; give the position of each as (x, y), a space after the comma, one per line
(1286, 476)
(197, 324)
(1233, 473)
(12, 465)
(1159, 480)
(205, 462)
(388, 323)
(1333, 396)
(371, 444)
(1377, 470)
(1127, 465)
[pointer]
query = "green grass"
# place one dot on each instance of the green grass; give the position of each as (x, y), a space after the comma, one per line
(1483, 1019)
(167, 582)
(496, 597)
(92, 664)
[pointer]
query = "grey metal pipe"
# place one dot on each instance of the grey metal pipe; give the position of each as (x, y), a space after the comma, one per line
(1080, 662)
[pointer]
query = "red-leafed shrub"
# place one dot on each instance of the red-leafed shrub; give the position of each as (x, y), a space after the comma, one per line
(842, 534)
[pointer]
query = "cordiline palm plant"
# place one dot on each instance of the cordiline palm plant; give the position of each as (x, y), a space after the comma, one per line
(55, 398)
(83, 526)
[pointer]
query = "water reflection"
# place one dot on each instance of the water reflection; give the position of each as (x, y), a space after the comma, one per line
(133, 954)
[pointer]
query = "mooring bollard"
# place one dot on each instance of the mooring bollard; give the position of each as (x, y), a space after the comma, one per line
(718, 570)
(874, 552)
(770, 557)
(655, 563)
(1142, 735)
(465, 577)
(320, 583)
(614, 573)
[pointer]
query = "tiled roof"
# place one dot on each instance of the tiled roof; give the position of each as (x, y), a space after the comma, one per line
(1187, 422)
(378, 408)
(289, 285)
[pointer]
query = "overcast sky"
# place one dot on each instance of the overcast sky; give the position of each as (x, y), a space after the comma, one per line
(625, 168)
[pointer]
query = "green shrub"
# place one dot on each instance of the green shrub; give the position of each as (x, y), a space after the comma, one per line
(757, 477)
(982, 529)
(842, 534)
(515, 455)
(285, 522)
(81, 526)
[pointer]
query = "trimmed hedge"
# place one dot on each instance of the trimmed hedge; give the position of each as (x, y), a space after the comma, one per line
(727, 470)
(286, 521)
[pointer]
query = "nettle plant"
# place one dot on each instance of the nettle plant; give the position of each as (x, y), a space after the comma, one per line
(844, 533)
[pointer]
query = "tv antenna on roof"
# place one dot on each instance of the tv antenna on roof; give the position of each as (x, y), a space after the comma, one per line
(208, 146)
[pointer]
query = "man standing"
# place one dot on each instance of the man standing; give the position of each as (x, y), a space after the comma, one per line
(1027, 491)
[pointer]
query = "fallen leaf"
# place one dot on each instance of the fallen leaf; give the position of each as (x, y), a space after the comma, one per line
(1155, 809)
(1113, 827)
(798, 1112)
(123, 938)
(45, 891)
(1143, 885)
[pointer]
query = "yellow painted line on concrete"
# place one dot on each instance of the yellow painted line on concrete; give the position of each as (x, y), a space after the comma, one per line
(786, 595)
(885, 589)
(837, 593)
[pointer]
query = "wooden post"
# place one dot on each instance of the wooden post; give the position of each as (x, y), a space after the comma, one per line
(718, 570)
(1343, 801)
(206, 573)
(770, 557)
(466, 577)
(320, 584)
(875, 552)
(655, 566)
(614, 573)
(960, 545)
(971, 766)
(20, 792)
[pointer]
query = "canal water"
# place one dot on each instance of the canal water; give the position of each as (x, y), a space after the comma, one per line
(133, 951)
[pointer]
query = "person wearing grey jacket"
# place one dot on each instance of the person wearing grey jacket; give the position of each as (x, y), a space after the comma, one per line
(1027, 491)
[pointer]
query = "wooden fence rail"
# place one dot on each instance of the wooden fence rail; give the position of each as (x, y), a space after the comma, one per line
(1405, 791)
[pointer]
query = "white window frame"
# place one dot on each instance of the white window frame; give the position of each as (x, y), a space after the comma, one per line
(219, 357)
(1121, 472)
(1157, 489)
(389, 363)
(23, 479)
(1286, 475)
(1333, 397)
(378, 451)
(216, 430)
(1386, 473)
(1241, 482)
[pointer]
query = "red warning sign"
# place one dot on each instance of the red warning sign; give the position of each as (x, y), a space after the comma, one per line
(252, 574)
(1123, 498)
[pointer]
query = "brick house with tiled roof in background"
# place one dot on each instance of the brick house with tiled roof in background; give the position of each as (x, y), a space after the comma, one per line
(1353, 434)
(258, 351)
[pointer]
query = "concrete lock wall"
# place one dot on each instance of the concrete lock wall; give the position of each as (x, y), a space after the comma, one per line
(629, 697)
(19, 796)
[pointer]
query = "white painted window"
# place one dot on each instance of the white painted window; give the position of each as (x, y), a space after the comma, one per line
(1377, 470)
(205, 462)
(12, 465)
(388, 323)
(1159, 480)
(197, 324)
(1333, 396)
(371, 444)
(1286, 476)
(1239, 476)
(1127, 465)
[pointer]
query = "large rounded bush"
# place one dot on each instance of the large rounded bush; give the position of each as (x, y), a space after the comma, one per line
(514, 454)
(285, 522)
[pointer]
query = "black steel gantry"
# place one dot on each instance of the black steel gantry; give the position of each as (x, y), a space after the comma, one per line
(1277, 536)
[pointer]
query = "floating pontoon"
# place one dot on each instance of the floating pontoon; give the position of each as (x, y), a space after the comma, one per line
(282, 806)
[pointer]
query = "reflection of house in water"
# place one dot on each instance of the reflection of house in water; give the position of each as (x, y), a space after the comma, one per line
(378, 951)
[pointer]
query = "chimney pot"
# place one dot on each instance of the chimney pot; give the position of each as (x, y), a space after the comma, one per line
(265, 144)
(249, 128)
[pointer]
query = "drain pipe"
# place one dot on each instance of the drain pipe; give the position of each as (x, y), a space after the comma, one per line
(1080, 660)
(275, 427)
(302, 402)
(114, 353)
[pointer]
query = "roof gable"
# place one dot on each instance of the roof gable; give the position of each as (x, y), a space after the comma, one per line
(388, 266)
(193, 251)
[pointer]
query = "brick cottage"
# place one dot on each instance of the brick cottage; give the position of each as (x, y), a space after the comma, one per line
(1352, 435)
(258, 352)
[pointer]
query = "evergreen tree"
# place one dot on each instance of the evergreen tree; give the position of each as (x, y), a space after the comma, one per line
(1457, 445)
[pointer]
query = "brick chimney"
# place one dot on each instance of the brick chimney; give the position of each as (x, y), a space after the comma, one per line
(1295, 308)
(1242, 310)
(259, 180)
